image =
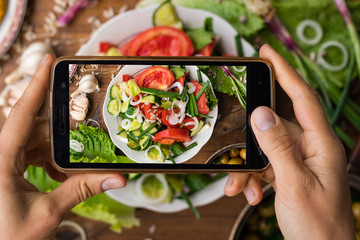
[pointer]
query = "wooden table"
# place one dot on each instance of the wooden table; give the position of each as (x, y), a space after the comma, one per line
(217, 218)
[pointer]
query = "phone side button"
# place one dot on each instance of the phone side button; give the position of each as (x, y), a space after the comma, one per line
(260, 151)
(63, 121)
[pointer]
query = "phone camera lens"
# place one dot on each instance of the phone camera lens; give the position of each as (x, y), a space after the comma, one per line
(63, 85)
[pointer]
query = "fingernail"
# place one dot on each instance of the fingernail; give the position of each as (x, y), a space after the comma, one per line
(229, 183)
(112, 183)
(263, 118)
(249, 194)
(44, 59)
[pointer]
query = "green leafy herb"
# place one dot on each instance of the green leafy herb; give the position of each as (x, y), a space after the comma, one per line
(200, 37)
(98, 146)
(178, 71)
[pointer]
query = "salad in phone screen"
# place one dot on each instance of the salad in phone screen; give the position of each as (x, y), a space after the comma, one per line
(149, 114)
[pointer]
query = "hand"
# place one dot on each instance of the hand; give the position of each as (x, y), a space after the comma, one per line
(25, 212)
(308, 164)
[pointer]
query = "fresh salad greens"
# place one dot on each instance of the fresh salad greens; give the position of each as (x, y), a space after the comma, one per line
(97, 146)
(100, 207)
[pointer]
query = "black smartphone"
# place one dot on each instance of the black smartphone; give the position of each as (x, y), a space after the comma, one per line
(157, 114)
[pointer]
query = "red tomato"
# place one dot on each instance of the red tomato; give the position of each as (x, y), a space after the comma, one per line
(151, 113)
(105, 46)
(160, 41)
(228, 55)
(172, 135)
(201, 103)
(186, 120)
(123, 48)
(126, 77)
(156, 78)
(207, 50)
(165, 119)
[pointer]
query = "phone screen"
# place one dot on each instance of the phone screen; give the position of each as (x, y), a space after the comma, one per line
(124, 114)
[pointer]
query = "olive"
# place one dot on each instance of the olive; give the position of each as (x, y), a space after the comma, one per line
(235, 161)
(234, 152)
(252, 222)
(356, 210)
(266, 211)
(264, 226)
(243, 153)
(224, 158)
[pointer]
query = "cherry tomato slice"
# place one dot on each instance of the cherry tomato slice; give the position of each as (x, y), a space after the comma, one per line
(202, 102)
(175, 134)
(207, 50)
(105, 46)
(158, 77)
(126, 77)
(165, 141)
(160, 41)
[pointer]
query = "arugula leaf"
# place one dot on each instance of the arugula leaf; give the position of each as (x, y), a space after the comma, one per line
(200, 37)
(219, 80)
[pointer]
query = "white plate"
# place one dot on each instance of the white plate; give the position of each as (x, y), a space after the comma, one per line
(126, 25)
(112, 123)
(11, 24)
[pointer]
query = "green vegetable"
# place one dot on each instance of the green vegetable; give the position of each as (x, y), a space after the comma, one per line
(113, 107)
(208, 24)
(100, 207)
(195, 131)
(176, 181)
(212, 100)
(145, 142)
(135, 125)
(113, 52)
(200, 37)
(98, 146)
(124, 107)
(160, 93)
(194, 144)
(194, 104)
(166, 104)
(132, 144)
(165, 15)
(197, 182)
(239, 47)
(133, 87)
(189, 203)
(219, 80)
(150, 99)
(115, 92)
(147, 128)
(177, 149)
(178, 71)
(206, 84)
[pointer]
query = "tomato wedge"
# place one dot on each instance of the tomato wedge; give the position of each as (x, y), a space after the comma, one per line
(207, 50)
(151, 113)
(105, 46)
(160, 41)
(202, 102)
(165, 119)
(156, 78)
(171, 135)
(126, 77)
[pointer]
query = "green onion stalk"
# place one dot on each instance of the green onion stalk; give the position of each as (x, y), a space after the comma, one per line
(239, 86)
(341, 5)
(310, 71)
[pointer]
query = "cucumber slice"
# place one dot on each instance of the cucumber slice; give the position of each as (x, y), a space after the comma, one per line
(133, 176)
(135, 125)
(153, 154)
(113, 107)
(165, 15)
(115, 92)
(123, 136)
(131, 110)
(153, 131)
(133, 145)
(151, 99)
(195, 131)
(145, 142)
(125, 106)
(134, 135)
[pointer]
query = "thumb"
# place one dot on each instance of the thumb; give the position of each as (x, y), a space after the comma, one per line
(276, 142)
(80, 187)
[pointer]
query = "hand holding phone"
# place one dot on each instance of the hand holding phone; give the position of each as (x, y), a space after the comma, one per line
(158, 112)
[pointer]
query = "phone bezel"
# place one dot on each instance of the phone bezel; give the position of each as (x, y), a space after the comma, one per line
(257, 68)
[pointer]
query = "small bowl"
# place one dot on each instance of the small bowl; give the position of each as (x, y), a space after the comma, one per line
(224, 149)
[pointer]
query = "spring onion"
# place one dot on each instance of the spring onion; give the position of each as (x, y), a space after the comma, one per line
(206, 84)
(200, 80)
(300, 32)
(239, 47)
(194, 144)
(321, 60)
(76, 146)
(191, 87)
(178, 85)
(160, 93)
(132, 103)
(191, 206)
(125, 124)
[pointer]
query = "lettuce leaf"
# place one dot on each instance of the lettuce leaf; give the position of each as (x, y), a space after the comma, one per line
(220, 82)
(98, 146)
(100, 207)
(200, 37)
(178, 71)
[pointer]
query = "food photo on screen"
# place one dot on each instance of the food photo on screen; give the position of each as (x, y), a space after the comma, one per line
(152, 114)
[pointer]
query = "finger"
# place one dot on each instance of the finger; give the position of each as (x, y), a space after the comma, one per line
(235, 183)
(276, 142)
(17, 128)
(294, 130)
(38, 155)
(53, 173)
(80, 187)
(39, 134)
(307, 106)
(253, 190)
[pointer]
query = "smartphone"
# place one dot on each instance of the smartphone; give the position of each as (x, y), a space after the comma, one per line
(158, 114)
